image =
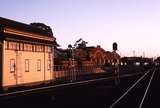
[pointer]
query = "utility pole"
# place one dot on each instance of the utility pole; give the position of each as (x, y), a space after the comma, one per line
(143, 54)
(117, 78)
(72, 47)
(133, 53)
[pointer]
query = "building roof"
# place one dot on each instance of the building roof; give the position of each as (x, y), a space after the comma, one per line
(88, 49)
(23, 27)
(61, 53)
(140, 59)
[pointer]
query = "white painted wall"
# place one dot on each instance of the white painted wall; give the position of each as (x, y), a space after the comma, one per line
(22, 77)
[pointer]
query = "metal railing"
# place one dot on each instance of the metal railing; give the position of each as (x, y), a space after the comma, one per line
(73, 73)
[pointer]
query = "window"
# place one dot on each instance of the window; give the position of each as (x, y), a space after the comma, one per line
(21, 46)
(38, 65)
(12, 65)
(27, 47)
(33, 48)
(39, 48)
(48, 49)
(6, 45)
(17, 46)
(26, 65)
(49, 64)
(12, 45)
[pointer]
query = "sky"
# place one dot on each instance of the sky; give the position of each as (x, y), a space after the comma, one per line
(133, 24)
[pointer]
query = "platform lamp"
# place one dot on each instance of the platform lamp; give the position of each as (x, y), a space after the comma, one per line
(117, 80)
(114, 51)
(71, 49)
(115, 46)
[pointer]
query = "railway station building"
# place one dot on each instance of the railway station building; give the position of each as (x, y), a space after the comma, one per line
(25, 54)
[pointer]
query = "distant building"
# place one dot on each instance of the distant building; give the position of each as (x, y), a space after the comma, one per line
(86, 56)
(94, 55)
(112, 58)
(97, 56)
(136, 61)
(26, 54)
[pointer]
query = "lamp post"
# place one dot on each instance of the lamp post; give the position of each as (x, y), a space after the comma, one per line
(72, 53)
(72, 73)
(72, 47)
(116, 64)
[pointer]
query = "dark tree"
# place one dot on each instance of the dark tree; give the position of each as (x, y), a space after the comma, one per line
(43, 27)
(82, 44)
(69, 46)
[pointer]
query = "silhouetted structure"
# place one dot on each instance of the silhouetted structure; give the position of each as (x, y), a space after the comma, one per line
(115, 46)
(136, 61)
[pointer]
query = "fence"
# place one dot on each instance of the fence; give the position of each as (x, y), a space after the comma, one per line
(74, 73)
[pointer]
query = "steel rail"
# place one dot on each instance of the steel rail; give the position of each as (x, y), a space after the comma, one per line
(112, 105)
(61, 85)
(145, 94)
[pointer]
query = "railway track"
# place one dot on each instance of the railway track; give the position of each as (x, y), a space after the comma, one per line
(42, 89)
(144, 93)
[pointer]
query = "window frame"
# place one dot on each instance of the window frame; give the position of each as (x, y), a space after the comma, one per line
(12, 45)
(12, 68)
(40, 48)
(49, 64)
(28, 47)
(21, 46)
(6, 45)
(38, 65)
(26, 65)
